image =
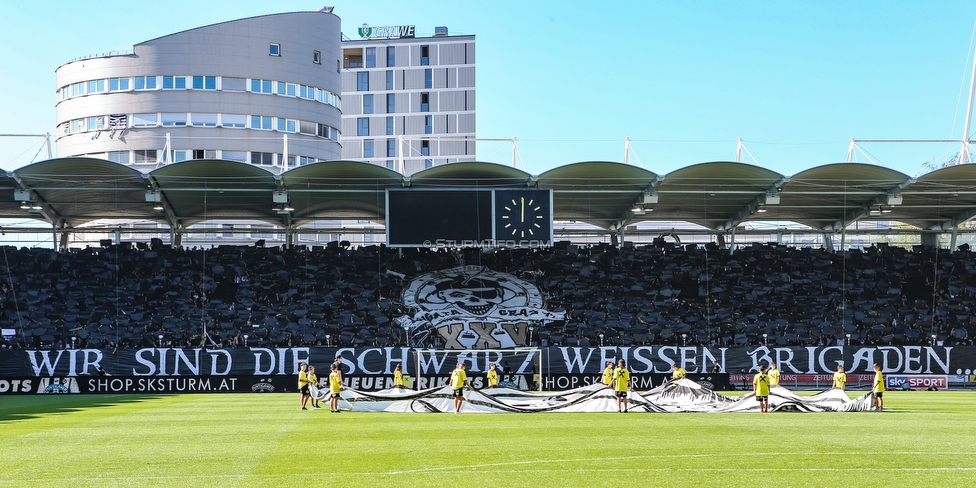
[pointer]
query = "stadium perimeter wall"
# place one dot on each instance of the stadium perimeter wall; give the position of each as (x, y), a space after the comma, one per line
(188, 370)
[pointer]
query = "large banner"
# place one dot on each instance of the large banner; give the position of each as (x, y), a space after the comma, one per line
(553, 367)
(790, 360)
(473, 307)
(177, 362)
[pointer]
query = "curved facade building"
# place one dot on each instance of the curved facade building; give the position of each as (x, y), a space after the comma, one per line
(263, 90)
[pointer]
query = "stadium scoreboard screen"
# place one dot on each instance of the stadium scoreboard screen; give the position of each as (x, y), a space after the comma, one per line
(468, 217)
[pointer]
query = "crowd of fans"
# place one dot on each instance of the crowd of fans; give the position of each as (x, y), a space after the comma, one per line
(152, 295)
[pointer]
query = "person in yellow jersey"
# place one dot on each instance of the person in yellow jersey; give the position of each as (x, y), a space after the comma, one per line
(313, 379)
(773, 375)
(677, 372)
(335, 386)
(621, 382)
(303, 383)
(608, 375)
(879, 388)
(840, 377)
(398, 376)
(760, 386)
(458, 381)
(492, 376)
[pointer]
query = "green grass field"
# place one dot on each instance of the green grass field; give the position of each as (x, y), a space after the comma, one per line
(924, 439)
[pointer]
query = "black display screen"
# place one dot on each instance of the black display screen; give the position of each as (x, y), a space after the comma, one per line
(438, 218)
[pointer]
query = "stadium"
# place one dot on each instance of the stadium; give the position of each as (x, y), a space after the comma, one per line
(173, 350)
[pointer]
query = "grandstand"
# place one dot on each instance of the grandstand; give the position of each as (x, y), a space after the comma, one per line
(156, 295)
(722, 292)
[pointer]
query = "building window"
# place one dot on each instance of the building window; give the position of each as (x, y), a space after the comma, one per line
(352, 58)
(390, 164)
(262, 158)
(233, 121)
(390, 103)
(391, 148)
(204, 82)
(428, 78)
(390, 56)
(145, 157)
(233, 84)
(425, 102)
(96, 86)
(428, 124)
(96, 123)
(316, 57)
(240, 156)
(118, 84)
(389, 80)
(287, 125)
(389, 126)
(145, 82)
(370, 57)
(260, 122)
(428, 163)
(363, 126)
(121, 157)
(205, 154)
(328, 132)
(203, 120)
(179, 156)
(425, 148)
(261, 86)
(174, 82)
(362, 81)
(367, 148)
(144, 120)
(367, 104)
(424, 55)
(174, 120)
(289, 89)
(274, 49)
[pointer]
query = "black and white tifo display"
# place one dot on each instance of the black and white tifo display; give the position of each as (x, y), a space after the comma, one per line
(683, 395)
(473, 307)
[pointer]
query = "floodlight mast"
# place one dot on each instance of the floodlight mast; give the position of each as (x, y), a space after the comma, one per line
(46, 136)
(964, 156)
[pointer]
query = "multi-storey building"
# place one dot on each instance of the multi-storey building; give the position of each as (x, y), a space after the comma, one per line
(263, 90)
(408, 102)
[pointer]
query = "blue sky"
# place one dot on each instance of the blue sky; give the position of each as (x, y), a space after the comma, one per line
(684, 80)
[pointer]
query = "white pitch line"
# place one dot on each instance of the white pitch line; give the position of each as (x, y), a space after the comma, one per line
(661, 456)
(737, 469)
(494, 471)
(4, 481)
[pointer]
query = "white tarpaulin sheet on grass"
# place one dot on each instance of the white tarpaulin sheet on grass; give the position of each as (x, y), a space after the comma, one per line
(681, 395)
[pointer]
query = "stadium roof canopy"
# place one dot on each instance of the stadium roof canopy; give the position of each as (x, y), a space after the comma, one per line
(720, 196)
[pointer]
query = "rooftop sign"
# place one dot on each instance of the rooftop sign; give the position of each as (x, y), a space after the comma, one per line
(386, 31)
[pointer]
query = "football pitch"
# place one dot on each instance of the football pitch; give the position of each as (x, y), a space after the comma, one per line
(923, 439)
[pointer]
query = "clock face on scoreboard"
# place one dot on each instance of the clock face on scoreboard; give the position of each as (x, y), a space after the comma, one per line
(523, 216)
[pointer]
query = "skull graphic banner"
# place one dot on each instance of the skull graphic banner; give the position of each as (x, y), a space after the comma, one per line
(473, 307)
